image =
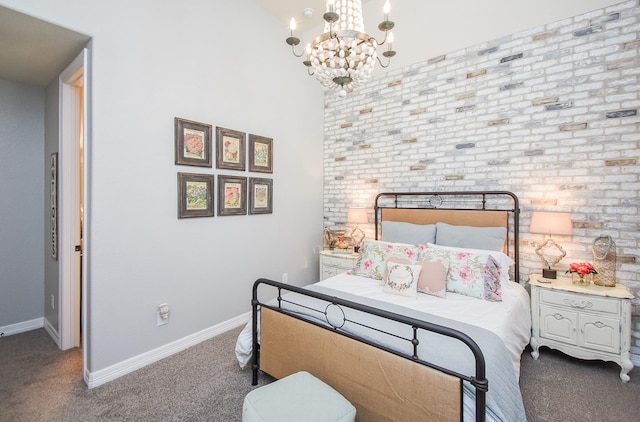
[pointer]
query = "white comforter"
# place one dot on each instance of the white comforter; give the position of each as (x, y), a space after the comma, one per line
(510, 319)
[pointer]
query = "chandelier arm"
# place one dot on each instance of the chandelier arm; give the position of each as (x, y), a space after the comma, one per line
(293, 50)
(382, 64)
(386, 33)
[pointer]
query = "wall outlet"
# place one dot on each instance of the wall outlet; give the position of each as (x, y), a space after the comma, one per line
(285, 277)
(162, 314)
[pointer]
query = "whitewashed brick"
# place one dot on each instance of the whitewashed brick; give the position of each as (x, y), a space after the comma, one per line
(563, 149)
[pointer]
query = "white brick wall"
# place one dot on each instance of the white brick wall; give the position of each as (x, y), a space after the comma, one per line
(550, 114)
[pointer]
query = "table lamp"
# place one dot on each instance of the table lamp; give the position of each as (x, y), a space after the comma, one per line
(550, 223)
(357, 216)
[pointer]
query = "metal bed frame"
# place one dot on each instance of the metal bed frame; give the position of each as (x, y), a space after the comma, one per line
(458, 201)
(480, 201)
(478, 380)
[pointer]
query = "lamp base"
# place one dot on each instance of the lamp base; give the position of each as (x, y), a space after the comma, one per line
(549, 273)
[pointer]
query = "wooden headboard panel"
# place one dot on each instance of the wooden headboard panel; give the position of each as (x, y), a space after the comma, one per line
(473, 208)
(458, 217)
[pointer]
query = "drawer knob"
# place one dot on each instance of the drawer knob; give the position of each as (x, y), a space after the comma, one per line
(578, 304)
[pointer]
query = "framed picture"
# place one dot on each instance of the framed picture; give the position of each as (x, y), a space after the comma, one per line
(193, 143)
(230, 145)
(260, 154)
(260, 196)
(195, 195)
(232, 195)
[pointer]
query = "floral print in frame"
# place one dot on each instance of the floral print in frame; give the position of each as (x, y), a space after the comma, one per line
(192, 143)
(230, 145)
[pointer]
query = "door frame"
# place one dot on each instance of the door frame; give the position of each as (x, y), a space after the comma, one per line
(73, 103)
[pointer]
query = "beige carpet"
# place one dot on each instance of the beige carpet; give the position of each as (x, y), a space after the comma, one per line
(204, 383)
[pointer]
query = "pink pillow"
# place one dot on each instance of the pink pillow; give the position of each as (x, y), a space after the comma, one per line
(433, 278)
(394, 260)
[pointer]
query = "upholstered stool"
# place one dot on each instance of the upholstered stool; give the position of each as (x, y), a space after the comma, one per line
(300, 397)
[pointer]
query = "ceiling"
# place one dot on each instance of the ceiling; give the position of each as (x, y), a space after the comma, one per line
(33, 51)
(287, 9)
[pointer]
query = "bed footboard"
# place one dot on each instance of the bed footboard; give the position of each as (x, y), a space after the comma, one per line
(383, 384)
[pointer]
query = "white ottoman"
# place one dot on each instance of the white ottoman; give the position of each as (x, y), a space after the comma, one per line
(300, 397)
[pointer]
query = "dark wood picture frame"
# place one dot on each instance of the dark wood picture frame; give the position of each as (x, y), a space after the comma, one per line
(232, 195)
(231, 149)
(195, 195)
(260, 154)
(193, 143)
(260, 195)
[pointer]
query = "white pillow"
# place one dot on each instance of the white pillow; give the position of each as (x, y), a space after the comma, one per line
(488, 238)
(402, 279)
(413, 234)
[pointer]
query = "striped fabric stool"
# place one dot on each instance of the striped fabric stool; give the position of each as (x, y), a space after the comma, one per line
(300, 397)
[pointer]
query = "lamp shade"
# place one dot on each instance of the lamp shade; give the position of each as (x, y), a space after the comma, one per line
(357, 216)
(551, 223)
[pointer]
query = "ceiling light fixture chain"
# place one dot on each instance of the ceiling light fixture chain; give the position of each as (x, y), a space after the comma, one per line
(344, 56)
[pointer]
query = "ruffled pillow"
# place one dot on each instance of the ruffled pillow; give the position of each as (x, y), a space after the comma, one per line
(433, 278)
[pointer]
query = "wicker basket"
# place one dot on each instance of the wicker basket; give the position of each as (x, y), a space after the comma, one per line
(604, 261)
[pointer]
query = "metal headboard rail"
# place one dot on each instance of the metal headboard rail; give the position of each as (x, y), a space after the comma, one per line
(482, 200)
(478, 380)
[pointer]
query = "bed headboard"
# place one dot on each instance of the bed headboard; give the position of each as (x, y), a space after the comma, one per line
(466, 208)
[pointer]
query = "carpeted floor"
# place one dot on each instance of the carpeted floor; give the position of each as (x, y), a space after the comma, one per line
(204, 383)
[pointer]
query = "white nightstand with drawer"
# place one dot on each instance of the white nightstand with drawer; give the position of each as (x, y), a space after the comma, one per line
(332, 263)
(586, 322)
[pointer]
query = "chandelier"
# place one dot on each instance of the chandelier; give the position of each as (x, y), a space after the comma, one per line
(344, 56)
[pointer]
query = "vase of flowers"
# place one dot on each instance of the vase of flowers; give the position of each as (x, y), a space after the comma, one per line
(581, 273)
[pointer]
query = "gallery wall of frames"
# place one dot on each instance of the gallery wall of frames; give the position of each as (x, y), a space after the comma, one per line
(199, 194)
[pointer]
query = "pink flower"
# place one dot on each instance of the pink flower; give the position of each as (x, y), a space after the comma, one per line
(367, 264)
(465, 273)
(462, 255)
(582, 268)
(410, 253)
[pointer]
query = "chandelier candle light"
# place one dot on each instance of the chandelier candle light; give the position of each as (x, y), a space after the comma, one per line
(344, 56)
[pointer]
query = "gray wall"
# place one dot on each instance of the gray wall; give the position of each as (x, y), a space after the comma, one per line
(149, 65)
(21, 202)
(51, 267)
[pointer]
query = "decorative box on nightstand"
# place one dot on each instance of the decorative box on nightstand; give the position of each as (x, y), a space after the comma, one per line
(586, 322)
(332, 263)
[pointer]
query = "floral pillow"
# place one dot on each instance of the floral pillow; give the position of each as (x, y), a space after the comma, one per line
(372, 260)
(470, 273)
(402, 279)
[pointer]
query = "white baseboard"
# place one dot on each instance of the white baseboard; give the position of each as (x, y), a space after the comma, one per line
(102, 376)
(21, 327)
(53, 332)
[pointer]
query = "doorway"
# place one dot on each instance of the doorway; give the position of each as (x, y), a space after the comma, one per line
(72, 211)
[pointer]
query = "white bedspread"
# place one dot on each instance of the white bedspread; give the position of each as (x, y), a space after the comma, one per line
(510, 319)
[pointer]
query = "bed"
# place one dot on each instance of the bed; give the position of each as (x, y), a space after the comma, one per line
(449, 350)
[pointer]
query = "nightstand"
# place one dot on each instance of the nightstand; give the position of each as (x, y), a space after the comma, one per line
(332, 263)
(586, 322)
